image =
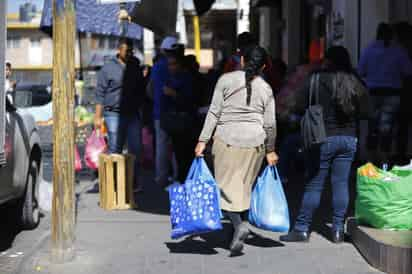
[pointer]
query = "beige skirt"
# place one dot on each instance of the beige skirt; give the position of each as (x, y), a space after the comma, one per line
(236, 170)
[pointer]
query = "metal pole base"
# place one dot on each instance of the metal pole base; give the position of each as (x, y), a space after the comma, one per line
(61, 255)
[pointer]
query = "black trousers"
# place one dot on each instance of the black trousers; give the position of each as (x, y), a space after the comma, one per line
(184, 144)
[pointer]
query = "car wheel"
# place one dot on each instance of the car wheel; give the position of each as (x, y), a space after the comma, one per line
(31, 209)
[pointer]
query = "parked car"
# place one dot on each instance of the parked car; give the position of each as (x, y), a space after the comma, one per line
(20, 176)
(30, 95)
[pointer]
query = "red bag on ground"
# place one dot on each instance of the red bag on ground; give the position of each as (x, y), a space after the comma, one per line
(94, 147)
(77, 162)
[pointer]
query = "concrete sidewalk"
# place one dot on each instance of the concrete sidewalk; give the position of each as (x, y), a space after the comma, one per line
(139, 242)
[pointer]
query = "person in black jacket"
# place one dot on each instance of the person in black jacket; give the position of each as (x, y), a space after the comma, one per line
(178, 118)
(344, 100)
(119, 95)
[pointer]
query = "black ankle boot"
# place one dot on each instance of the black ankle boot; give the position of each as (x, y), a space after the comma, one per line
(239, 237)
(338, 236)
(295, 236)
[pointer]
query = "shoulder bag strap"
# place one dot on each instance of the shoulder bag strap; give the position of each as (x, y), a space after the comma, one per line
(317, 89)
(312, 86)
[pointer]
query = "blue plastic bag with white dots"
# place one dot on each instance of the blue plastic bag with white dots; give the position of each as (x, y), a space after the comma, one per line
(194, 206)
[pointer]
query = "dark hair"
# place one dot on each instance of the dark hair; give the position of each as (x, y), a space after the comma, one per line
(8, 65)
(348, 88)
(245, 40)
(255, 58)
(191, 63)
(125, 41)
(178, 57)
(339, 58)
(176, 50)
(385, 34)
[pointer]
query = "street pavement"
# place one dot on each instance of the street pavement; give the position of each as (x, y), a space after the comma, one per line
(138, 241)
(15, 244)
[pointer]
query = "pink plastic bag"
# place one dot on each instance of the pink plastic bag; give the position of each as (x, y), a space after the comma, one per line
(94, 147)
(78, 162)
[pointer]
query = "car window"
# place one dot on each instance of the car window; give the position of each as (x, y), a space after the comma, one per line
(34, 96)
(22, 98)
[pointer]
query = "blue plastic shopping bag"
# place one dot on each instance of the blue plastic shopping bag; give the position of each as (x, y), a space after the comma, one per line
(269, 208)
(194, 206)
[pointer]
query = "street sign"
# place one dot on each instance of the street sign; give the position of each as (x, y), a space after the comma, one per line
(115, 1)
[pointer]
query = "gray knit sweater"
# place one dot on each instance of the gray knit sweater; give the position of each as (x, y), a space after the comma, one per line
(236, 123)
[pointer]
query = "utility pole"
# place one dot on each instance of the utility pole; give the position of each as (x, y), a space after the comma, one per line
(196, 34)
(148, 46)
(63, 208)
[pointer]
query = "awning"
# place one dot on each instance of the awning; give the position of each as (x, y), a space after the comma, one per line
(94, 18)
(203, 6)
(157, 15)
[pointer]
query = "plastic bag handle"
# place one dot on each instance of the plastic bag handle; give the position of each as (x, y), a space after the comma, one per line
(273, 172)
(194, 169)
(276, 172)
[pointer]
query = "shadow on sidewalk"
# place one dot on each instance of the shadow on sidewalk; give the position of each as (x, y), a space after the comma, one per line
(206, 244)
(153, 199)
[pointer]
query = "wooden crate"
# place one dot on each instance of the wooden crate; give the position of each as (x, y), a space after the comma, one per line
(116, 177)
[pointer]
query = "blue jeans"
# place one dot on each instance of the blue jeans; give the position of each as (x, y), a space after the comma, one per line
(122, 128)
(162, 159)
(333, 157)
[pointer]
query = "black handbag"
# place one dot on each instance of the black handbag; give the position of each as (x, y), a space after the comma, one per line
(312, 124)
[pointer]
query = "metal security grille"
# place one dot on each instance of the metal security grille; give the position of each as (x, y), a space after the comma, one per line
(2, 80)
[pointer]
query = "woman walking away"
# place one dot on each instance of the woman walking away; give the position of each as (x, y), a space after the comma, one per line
(384, 66)
(243, 115)
(342, 97)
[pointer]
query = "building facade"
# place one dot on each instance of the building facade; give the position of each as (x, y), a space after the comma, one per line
(30, 50)
(287, 28)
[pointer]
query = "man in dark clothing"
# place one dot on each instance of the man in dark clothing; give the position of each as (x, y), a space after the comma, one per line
(119, 95)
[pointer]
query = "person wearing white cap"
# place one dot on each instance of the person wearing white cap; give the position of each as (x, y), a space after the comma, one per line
(159, 76)
(168, 43)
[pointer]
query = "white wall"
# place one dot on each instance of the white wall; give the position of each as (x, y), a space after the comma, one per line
(243, 9)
